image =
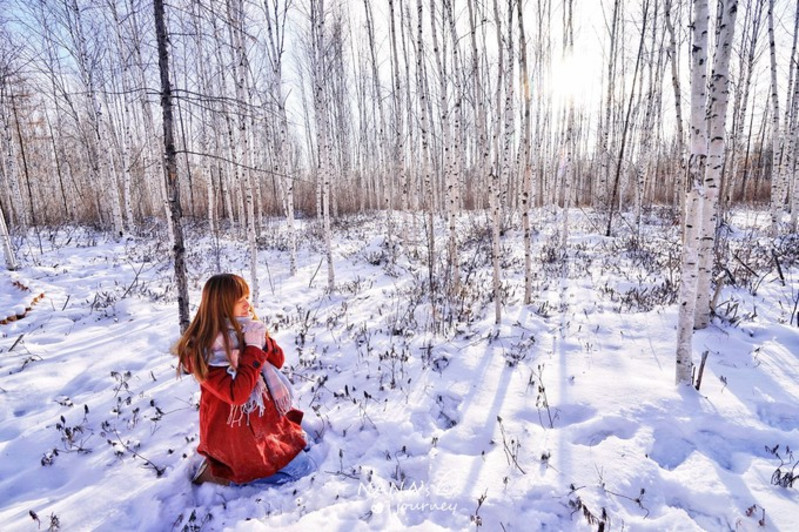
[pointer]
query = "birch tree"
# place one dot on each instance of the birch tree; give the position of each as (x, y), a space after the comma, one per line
(778, 178)
(607, 124)
(524, 82)
(276, 25)
(171, 166)
(428, 191)
(794, 135)
(751, 30)
(8, 248)
(674, 60)
(693, 204)
(319, 60)
(457, 154)
(627, 121)
(382, 150)
(101, 166)
(235, 14)
(498, 169)
(5, 236)
(9, 81)
(126, 140)
(450, 165)
(204, 134)
(398, 113)
(717, 120)
(650, 100)
(152, 163)
(565, 167)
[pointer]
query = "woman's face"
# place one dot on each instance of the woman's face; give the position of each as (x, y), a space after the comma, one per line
(242, 307)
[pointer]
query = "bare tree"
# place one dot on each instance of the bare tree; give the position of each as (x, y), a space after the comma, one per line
(499, 169)
(524, 81)
(450, 130)
(693, 204)
(627, 121)
(565, 167)
(778, 145)
(235, 14)
(673, 53)
(101, 166)
(276, 25)
(793, 125)
(751, 30)
(605, 150)
(321, 107)
(717, 120)
(9, 80)
(8, 249)
(171, 167)
(152, 163)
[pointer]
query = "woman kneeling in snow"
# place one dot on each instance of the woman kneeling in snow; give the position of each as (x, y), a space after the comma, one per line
(248, 429)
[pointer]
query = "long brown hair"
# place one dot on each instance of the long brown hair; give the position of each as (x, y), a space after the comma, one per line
(215, 314)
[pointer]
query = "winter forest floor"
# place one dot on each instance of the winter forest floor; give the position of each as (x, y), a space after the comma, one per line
(564, 417)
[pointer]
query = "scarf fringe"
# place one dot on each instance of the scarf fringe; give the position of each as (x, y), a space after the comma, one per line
(261, 392)
(256, 402)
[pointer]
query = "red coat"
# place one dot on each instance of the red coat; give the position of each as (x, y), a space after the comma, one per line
(259, 445)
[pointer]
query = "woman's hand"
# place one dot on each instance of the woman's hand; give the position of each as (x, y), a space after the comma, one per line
(255, 334)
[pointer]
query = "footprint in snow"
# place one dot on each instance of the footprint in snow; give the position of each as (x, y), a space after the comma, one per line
(445, 411)
(596, 431)
(781, 416)
(669, 449)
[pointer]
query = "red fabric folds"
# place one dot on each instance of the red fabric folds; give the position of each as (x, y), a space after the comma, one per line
(243, 447)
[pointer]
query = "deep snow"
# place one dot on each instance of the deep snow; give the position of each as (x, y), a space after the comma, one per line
(563, 416)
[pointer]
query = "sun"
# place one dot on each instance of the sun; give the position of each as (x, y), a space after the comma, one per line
(575, 79)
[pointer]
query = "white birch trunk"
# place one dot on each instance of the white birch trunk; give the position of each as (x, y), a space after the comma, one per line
(751, 33)
(566, 172)
(67, 200)
(794, 150)
(398, 118)
(508, 115)
(428, 191)
(482, 148)
(411, 195)
(717, 115)
(18, 213)
(451, 155)
(276, 28)
(777, 143)
(424, 118)
(321, 116)
(457, 155)
(383, 150)
(8, 249)
(498, 172)
(235, 13)
(692, 221)
(606, 125)
(688, 285)
(524, 82)
(673, 53)
(126, 140)
(650, 103)
(230, 189)
(152, 161)
(102, 167)
(206, 167)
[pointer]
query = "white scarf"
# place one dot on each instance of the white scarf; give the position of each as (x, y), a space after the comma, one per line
(271, 382)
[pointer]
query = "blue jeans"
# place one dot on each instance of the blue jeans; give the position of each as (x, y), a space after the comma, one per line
(300, 466)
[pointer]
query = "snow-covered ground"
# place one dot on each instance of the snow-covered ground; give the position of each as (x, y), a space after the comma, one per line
(563, 417)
